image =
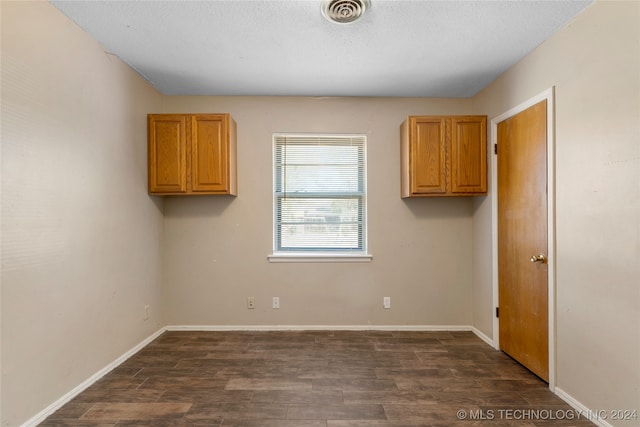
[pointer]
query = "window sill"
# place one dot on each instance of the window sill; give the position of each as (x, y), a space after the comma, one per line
(320, 257)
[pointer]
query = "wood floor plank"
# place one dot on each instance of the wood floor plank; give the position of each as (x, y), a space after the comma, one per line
(215, 411)
(232, 422)
(134, 411)
(416, 413)
(338, 371)
(336, 412)
(268, 384)
(313, 379)
(382, 397)
(105, 394)
(298, 397)
(72, 410)
(354, 384)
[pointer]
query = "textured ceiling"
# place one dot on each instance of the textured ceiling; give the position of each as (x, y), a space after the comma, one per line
(286, 47)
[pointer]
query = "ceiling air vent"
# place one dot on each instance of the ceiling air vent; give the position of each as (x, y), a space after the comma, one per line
(344, 11)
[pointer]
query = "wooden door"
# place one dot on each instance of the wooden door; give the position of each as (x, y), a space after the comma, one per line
(469, 155)
(209, 154)
(167, 153)
(522, 235)
(428, 155)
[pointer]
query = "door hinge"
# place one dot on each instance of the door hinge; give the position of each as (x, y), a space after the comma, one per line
(497, 311)
(495, 148)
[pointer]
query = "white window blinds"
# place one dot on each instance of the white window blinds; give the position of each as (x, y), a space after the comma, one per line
(319, 193)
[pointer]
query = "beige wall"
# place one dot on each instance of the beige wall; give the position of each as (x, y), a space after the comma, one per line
(594, 65)
(216, 248)
(81, 239)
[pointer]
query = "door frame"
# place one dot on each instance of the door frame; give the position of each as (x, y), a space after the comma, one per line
(549, 96)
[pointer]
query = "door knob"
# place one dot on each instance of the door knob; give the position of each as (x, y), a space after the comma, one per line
(538, 258)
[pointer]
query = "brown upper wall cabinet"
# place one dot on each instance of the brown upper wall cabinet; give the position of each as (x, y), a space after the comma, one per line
(191, 154)
(443, 156)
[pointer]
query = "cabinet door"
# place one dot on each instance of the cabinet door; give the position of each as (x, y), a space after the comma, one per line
(468, 154)
(167, 153)
(428, 159)
(209, 154)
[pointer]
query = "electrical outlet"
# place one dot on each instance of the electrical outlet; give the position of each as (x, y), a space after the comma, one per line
(251, 303)
(386, 302)
(276, 303)
(146, 313)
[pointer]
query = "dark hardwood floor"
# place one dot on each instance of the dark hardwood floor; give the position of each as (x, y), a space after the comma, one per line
(317, 379)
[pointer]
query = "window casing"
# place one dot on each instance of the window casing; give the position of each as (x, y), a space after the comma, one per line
(319, 194)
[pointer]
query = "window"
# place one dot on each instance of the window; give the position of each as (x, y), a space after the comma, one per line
(319, 195)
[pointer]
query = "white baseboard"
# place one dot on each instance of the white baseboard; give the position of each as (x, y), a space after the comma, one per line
(593, 416)
(483, 337)
(417, 328)
(42, 415)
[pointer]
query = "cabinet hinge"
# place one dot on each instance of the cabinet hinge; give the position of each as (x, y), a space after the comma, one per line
(497, 311)
(495, 148)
